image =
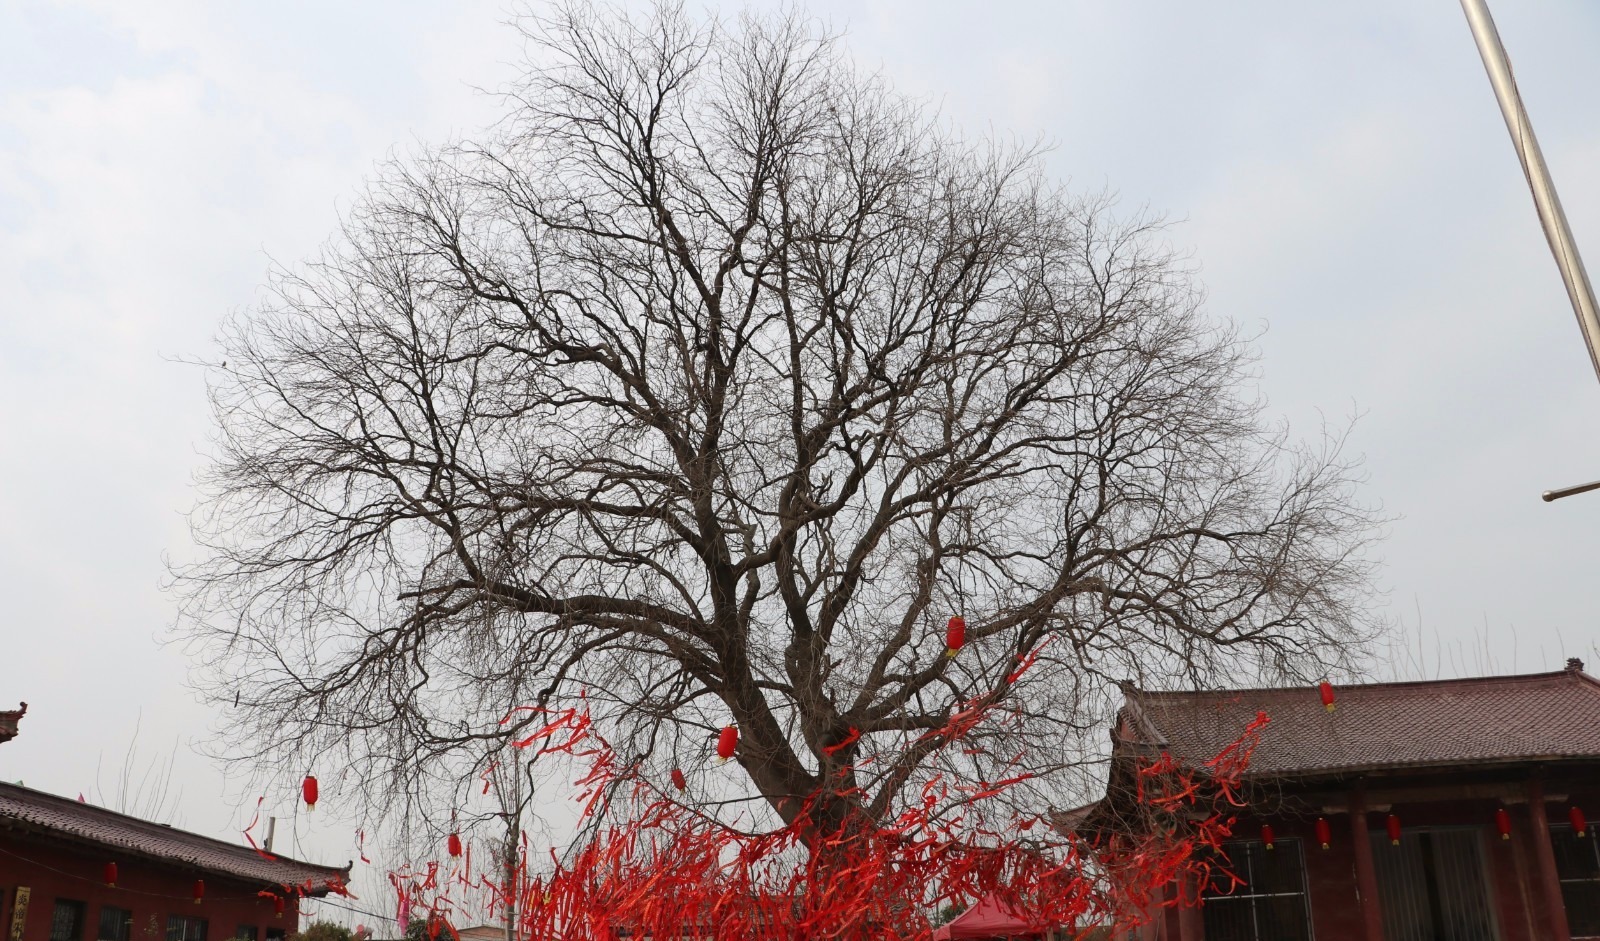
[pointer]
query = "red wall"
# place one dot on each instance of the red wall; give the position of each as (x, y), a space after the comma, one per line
(151, 890)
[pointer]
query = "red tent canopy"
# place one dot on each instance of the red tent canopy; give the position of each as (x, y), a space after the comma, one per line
(990, 918)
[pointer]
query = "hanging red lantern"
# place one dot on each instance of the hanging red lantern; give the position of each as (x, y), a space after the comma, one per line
(1325, 688)
(1324, 832)
(955, 635)
(1266, 835)
(453, 844)
(1575, 817)
(1502, 823)
(678, 780)
(277, 907)
(1393, 826)
(308, 790)
(727, 742)
(111, 875)
(199, 890)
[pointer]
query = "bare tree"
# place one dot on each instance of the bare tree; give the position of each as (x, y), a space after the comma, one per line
(710, 384)
(145, 792)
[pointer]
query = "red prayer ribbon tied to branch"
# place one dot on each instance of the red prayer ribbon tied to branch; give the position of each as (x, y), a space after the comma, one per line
(649, 866)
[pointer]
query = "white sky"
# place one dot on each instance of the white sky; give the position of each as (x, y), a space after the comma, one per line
(1340, 171)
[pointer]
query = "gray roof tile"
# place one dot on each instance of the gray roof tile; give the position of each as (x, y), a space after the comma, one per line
(1380, 726)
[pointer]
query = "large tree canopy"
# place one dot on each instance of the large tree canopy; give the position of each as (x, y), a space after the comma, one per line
(709, 384)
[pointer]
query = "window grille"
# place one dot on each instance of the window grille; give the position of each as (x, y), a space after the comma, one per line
(116, 924)
(1578, 868)
(185, 928)
(1271, 903)
(66, 923)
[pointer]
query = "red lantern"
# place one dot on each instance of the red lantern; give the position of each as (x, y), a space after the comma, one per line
(308, 790)
(277, 907)
(727, 742)
(453, 844)
(1393, 826)
(1266, 835)
(678, 780)
(955, 635)
(1575, 817)
(1324, 832)
(111, 875)
(1502, 823)
(199, 890)
(1326, 689)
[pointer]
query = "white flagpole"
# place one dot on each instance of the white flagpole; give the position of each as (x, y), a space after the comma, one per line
(1554, 220)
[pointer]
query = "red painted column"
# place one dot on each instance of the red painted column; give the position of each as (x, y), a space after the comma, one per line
(1549, 881)
(1366, 875)
(1191, 927)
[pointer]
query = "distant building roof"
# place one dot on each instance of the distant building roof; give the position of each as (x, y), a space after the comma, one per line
(1375, 728)
(23, 808)
(1539, 717)
(8, 722)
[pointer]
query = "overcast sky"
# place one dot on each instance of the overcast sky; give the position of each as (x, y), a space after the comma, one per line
(1339, 171)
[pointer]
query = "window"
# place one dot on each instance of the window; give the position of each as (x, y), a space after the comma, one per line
(1578, 868)
(1269, 905)
(247, 933)
(274, 934)
(116, 924)
(66, 924)
(181, 928)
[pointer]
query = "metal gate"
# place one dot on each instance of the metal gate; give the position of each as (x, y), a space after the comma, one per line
(1432, 886)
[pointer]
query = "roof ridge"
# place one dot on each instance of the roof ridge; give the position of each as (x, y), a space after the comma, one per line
(1388, 684)
(1148, 730)
(151, 826)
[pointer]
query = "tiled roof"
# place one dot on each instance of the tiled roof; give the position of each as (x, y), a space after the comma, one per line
(36, 810)
(1380, 726)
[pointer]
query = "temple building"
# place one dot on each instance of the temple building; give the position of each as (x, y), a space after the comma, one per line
(1450, 810)
(71, 871)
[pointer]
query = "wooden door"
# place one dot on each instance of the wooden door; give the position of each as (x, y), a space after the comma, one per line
(1433, 885)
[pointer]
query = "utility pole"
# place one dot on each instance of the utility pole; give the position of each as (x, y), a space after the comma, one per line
(1551, 216)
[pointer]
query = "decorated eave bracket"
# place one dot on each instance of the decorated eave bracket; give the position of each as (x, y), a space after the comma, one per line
(1551, 216)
